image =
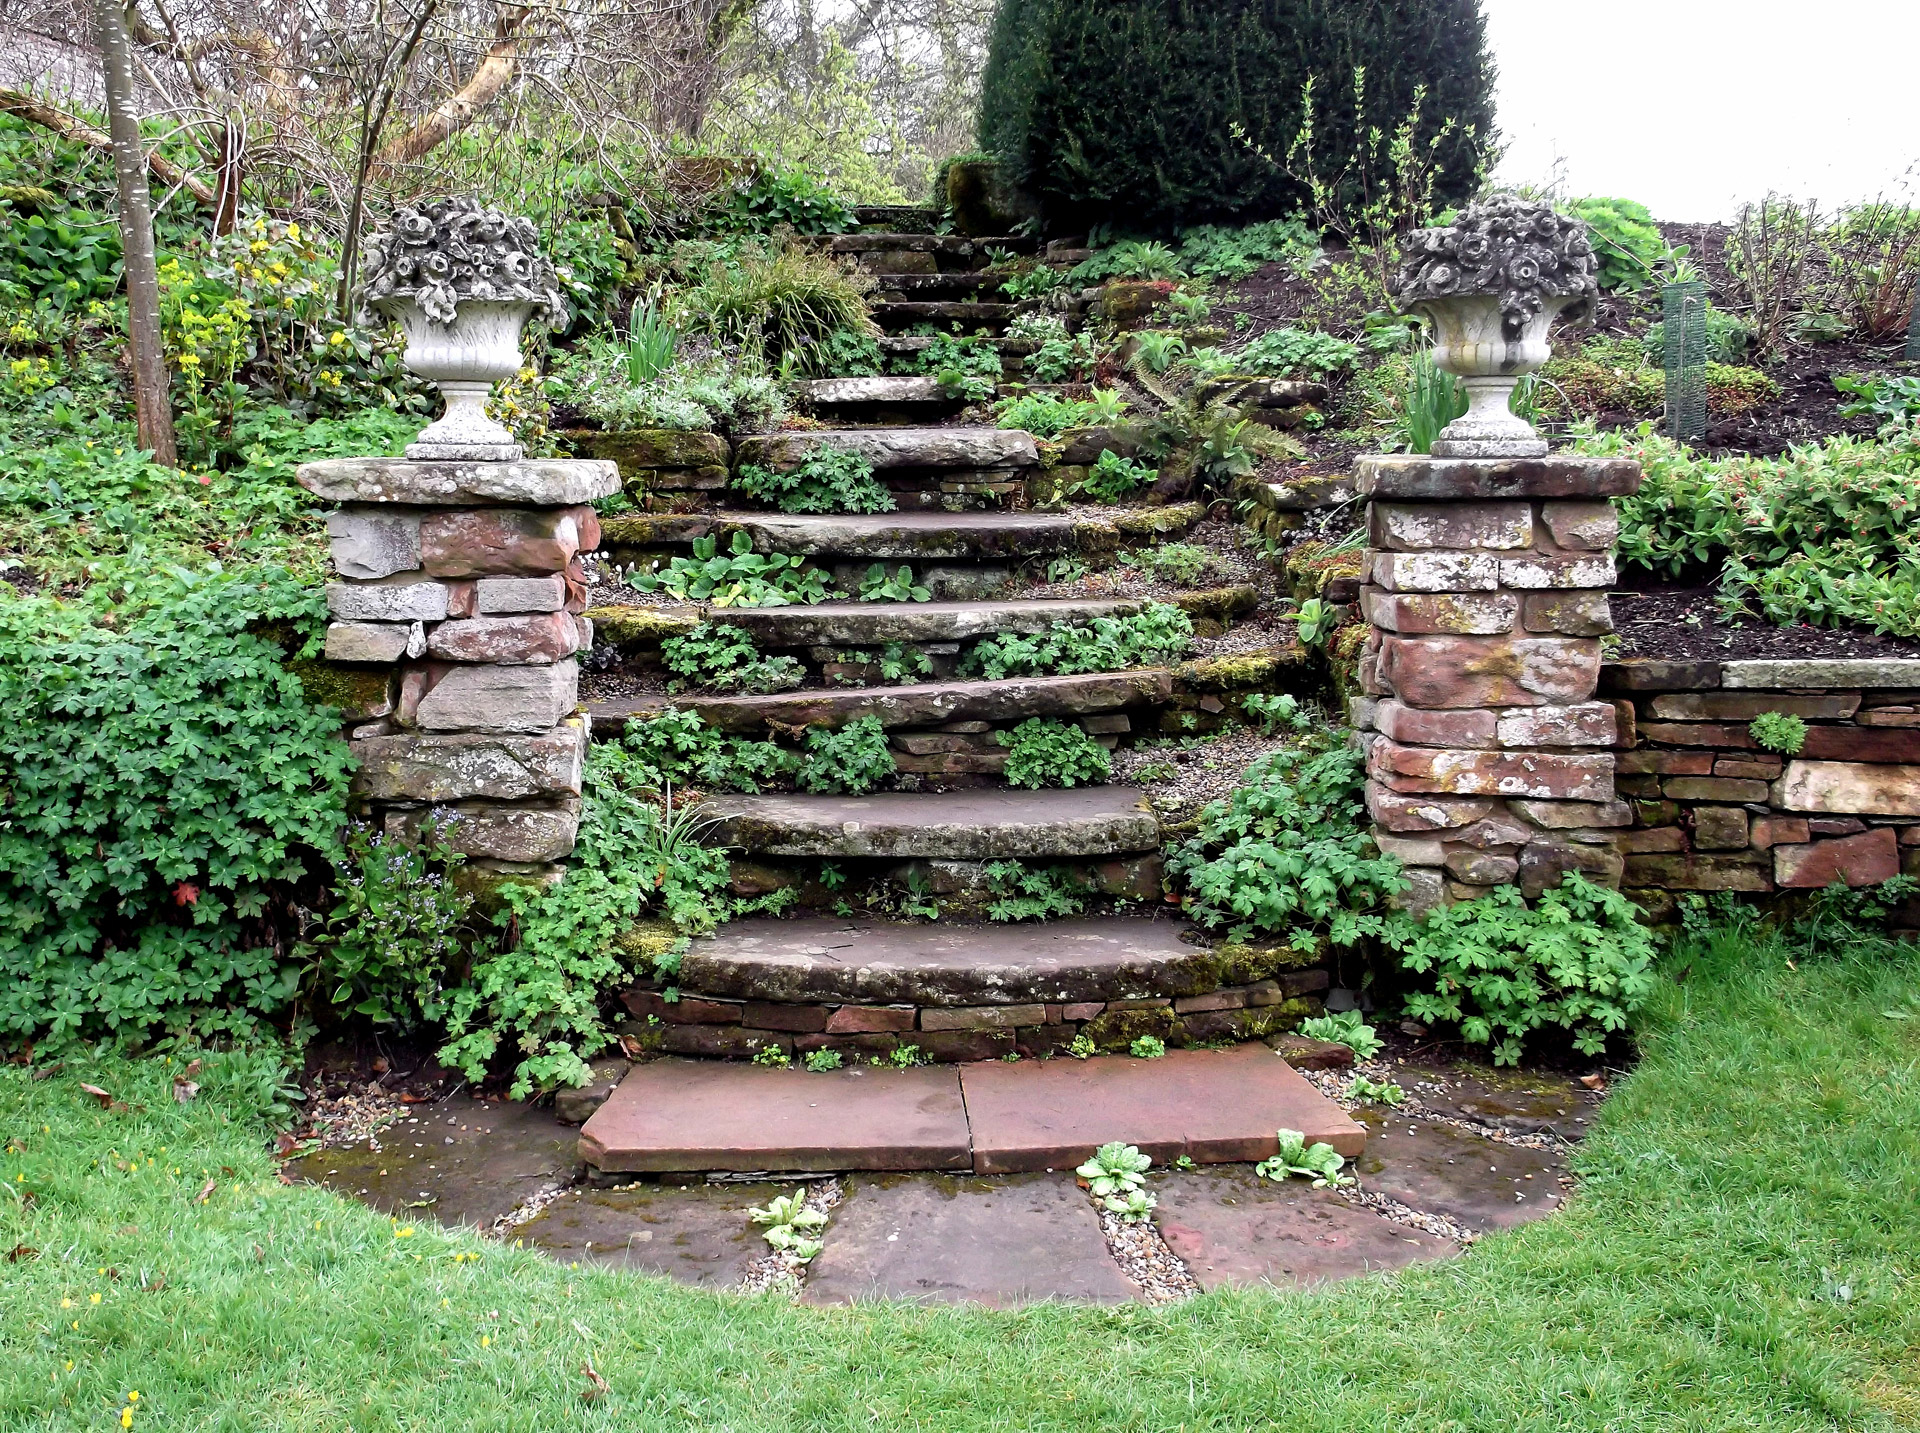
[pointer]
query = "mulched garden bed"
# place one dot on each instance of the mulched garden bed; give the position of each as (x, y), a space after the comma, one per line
(1683, 623)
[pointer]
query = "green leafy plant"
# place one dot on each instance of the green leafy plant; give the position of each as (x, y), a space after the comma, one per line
(1214, 251)
(677, 747)
(1147, 1047)
(850, 761)
(1286, 855)
(847, 353)
(1130, 259)
(772, 1057)
(905, 1057)
(1274, 712)
(879, 585)
(738, 577)
(1114, 479)
(1020, 892)
(168, 780)
(1888, 398)
(1046, 416)
(1347, 1027)
(385, 949)
(722, 392)
(1044, 752)
(826, 480)
(788, 1223)
(1181, 563)
(965, 368)
(1082, 1047)
(724, 659)
(1117, 1177)
(1433, 399)
(782, 305)
(1221, 451)
(1577, 959)
(1362, 1088)
(1296, 352)
(776, 199)
(651, 344)
(1064, 359)
(821, 1061)
(1728, 337)
(1779, 731)
(1317, 1161)
(1625, 240)
(1158, 349)
(901, 663)
(1160, 632)
(1315, 620)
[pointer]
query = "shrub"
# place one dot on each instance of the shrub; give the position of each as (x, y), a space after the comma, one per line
(1577, 959)
(1287, 854)
(850, 761)
(827, 480)
(1159, 633)
(724, 659)
(778, 199)
(781, 304)
(1053, 753)
(168, 781)
(1047, 416)
(1625, 241)
(720, 393)
(1154, 114)
(1209, 251)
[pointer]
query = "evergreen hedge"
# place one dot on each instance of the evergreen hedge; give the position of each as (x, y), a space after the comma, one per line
(1122, 111)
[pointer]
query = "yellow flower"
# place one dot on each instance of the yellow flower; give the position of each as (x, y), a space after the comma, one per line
(485, 1342)
(337, 338)
(93, 1298)
(126, 1417)
(293, 231)
(258, 246)
(133, 1395)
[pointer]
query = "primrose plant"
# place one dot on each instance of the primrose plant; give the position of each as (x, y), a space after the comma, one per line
(1318, 1161)
(1117, 1177)
(789, 1223)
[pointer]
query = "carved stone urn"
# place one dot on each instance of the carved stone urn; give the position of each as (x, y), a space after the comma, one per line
(1491, 284)
(463, 281)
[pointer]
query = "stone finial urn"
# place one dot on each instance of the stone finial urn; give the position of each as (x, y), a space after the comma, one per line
(463, 281)
(1491, 284)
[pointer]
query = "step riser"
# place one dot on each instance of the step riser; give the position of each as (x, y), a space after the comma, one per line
(718, 1026)
(961, 888)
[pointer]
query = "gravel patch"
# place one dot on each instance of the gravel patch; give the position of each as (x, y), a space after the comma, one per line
(1334, 1084)
(1143, 1256)
(337, 1121)
(1183, 774)
(1406, 1215)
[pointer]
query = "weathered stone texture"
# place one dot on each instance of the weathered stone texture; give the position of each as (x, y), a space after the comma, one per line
(449, 768)
(507, 641)
(1489, 671)
(532, 542)
(486, 698)
(370, 543)
(403, 601)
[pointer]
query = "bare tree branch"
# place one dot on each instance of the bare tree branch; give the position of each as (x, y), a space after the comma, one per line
(37, 111)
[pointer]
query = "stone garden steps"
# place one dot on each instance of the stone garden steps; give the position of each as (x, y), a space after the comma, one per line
(917, 704)
(1212, 1106)
(878, 397)
(909, 536)
(897, 447)
(854, 624)
(968, 825)
(823, 958)
(898, 316)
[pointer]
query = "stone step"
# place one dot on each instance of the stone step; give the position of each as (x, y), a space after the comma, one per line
(867, 962)
(969, 448)
(877, 219)
(1212, 1106)
(867, 242)
(908, 536)
(861, 624)
(978, 825)
(861, 397)
(897, 316)
(916, 288)
(913, 705)
(903, 345)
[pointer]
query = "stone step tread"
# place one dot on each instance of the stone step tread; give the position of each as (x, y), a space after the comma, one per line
(896, 390)
(914, 704)
(984, 824)
(1213, 1106)
(856, 624)
(826, 960)
(961, 446)
(907, 536)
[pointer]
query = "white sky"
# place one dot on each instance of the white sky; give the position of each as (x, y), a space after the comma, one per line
(1692, 106)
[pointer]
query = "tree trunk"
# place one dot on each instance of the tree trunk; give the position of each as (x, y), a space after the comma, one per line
(136, 239)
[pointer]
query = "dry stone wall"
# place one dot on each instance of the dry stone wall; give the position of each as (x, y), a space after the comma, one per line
(461, 583)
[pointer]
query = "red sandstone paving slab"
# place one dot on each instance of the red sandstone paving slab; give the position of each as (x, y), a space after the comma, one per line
(673, 1115)
(1232, 1227)
(461, 1161)
(1516, 1101)
(697, 1233)
(1213, 1106)
(954, 1239)
(1442, 1170)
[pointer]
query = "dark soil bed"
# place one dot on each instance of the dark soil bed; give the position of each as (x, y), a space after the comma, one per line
(1683, 623)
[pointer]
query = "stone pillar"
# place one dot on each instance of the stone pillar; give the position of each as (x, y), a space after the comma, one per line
(1485, 585)
(464, 579)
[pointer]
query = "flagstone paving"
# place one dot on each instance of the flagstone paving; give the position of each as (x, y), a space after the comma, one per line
(1474, 1151)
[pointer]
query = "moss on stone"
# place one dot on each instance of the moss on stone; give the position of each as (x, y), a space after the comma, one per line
(1117, 1029)
(645, 941)
(359, 692)
(639, 450)
(1344, 651)
(1219, 603)
(1242, 963)
(1312, 565)
(1239, 671)
(638, 628)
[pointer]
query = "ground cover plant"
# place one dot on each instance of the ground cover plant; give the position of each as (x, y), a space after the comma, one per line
(1790, 1309)
(826, 480)
(1160, 632)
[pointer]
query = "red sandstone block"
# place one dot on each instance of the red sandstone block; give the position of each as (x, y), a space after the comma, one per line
(869, 1019)
(1769, 831)
(1483, 613)
(527, 542)
(1695, 733)
(1539, 571)
(1482, 868)
(1660, 838)
(1545, 864)
(1417, 727)
(506, 641)
(1713, 788)
(1850, 743)
(1741, 871)
(1490, 671)
(1626, 724)
(461, 598)
(1435, 571)
(1577, 614)
(1587, 527)
(1491, 773)
(1758, 769)
(1582, 724)
(1081, 1010)
(1397, 812)
(1426, 527)
(1647, 761)
(1863, 860)
(776, 1015)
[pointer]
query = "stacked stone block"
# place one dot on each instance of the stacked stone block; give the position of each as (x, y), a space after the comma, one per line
(1489, 759)
(462, 580)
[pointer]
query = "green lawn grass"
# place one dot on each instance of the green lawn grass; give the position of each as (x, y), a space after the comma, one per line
(1741, 1255)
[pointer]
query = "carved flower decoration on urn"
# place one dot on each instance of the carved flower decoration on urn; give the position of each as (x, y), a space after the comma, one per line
(464, 281)
(1491, 284)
